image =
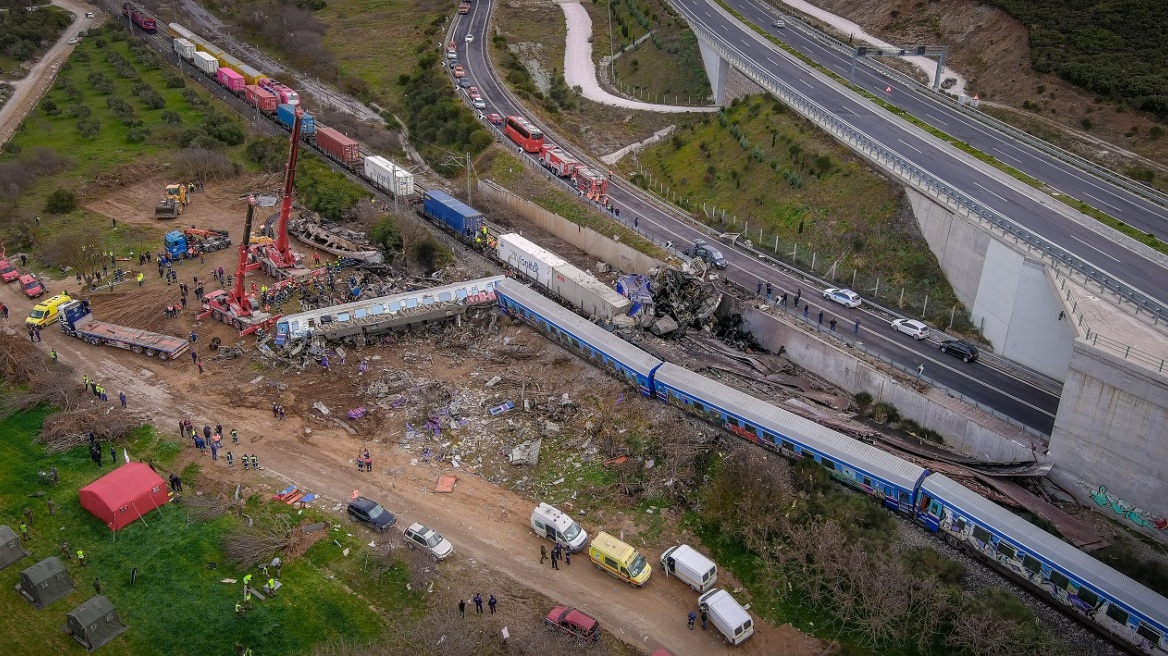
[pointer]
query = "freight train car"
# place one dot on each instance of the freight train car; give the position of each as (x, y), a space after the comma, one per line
(260, 98)
(338, 146)
(458, 217)
(286, 115)
(387, 176)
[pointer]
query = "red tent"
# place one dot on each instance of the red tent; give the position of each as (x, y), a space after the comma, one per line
(124, 495)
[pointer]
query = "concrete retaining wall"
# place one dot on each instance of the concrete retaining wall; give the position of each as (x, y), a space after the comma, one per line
(601, 247)
(965, 429)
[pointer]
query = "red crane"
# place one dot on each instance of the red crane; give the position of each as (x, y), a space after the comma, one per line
(279, 255)
(234, 307)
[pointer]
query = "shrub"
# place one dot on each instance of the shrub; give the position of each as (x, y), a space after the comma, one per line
(386, 235)
(61, 201)
(268, 153)
(863, 402)
(885, 412)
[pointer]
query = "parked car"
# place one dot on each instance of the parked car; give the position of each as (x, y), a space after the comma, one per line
(949, 83)
(8, 271)
(911, 327)
(844, 297)
(473, 92)
(73, 42)
(420, 536)
(495, 119)
(960, 348)
(708, 254)
(464, 83)
(371, 513)
(31, 287)
(89, 14)
(574, 623)
(459, 71)
(479, 103)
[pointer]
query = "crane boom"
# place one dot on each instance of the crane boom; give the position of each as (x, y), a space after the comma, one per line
(238, 294)
(282, 245)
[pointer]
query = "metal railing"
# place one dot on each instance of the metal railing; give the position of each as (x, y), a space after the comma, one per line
(1125, 351)
(923, 181)
(1140, 189)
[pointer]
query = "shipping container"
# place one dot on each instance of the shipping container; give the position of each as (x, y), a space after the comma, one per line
(286, 115)
(184, 48)
(206, 63)
(252, 75)
(177, 31)
(590, 296)
(389, 176)
(529, 259)
(260, 98)
(451, 212)
(342, 148)
(230, 79)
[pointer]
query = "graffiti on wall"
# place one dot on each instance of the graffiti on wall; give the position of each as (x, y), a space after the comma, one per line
(1128, 510)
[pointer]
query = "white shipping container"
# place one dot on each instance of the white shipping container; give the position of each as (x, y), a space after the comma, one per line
(405, 182)
(527, 258)
(206, 63)
(184, 48)
(592, 297)
(380, 171)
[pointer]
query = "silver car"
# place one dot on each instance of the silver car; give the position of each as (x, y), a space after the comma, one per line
(912, 327)
(429, 539)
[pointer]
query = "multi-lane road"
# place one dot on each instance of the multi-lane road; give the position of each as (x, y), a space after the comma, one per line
(1035, 211)
(995, 388)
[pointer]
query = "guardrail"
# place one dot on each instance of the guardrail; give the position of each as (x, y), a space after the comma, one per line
(913, 175)
(1144, 191)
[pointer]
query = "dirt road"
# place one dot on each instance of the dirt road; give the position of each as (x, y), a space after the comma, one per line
(29, 90)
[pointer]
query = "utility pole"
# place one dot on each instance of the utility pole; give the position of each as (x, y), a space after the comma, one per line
(469, 199)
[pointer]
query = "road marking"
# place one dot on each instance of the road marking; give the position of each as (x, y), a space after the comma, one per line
(773, 61)
(935, 119)
(991, 192)
(1104, 202)
(708, 15)
(910, 145)
(807, 83)
(1006, 156)
(1092, 247)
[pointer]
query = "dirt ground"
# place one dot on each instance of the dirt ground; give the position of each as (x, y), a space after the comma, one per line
(446, 379)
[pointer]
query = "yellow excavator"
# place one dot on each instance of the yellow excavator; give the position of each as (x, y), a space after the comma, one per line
(174, 202)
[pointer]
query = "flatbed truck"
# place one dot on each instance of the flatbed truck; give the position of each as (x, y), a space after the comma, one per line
(77, 321)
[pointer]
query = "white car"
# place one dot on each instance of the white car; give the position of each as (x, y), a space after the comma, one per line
(72, 42)
(845, 297)
(420, 536)
(779, 24)
(911, 327)
(469, 38)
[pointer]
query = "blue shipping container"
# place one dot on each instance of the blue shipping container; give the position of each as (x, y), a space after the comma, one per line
(453, 213)
(286, 114)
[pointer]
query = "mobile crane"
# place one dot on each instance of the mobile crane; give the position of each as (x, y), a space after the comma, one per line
(234, 306)
(277, 258)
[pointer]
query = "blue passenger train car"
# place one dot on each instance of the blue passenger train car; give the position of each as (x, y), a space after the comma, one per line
(587, 340)
(1062, 573)
(890, 479)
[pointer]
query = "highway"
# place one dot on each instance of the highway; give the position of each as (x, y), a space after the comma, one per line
(994, 190)
(981, 381)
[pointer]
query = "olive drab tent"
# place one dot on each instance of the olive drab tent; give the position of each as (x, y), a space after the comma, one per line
(94, 623)
(45, 582)
(10, 547)
(124, 495)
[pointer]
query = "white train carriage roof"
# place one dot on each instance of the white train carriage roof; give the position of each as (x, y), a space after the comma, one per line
(595, 336)
(834, 445)
(1062, 556)
(298, 326)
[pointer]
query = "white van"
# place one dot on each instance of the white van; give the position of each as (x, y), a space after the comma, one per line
(689, 565)
(728, 616)
(547, 522)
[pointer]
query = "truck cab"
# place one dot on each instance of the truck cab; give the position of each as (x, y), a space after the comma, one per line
(176, 243)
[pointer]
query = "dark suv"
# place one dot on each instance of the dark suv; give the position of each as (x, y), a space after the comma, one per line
(959, 348)
(711, 255)
(371, 513)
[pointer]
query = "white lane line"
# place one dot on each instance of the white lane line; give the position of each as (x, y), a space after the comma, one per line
(1010, 157)
(773, 61)
(910, 145)
(991, 192)
(1092, 247)
(1097, 200)
(807, 83)
(707, 14)
(934, 118)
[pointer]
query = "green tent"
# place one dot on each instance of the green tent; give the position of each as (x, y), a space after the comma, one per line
(94, 623)
(45, 582)
(10, 548)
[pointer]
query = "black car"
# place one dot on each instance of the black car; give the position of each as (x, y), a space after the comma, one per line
(371, 513)
(959, 348)
(708, 253)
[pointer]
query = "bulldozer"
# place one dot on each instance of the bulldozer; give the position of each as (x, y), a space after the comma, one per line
(174, 202)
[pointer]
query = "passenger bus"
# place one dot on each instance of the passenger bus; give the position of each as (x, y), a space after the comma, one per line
(522, 132)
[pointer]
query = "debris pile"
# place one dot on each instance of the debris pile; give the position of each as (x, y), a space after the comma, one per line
(670, 301)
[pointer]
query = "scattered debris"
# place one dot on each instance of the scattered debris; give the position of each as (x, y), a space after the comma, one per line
(322, 407)
(446, 484)
(526, 453)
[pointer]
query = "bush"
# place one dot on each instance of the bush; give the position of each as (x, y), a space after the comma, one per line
(88, 127)
(324, 190)
(386, 235)
(61, 201)
(863, 402)
(204, 164)
(269, 153)
(928, 561)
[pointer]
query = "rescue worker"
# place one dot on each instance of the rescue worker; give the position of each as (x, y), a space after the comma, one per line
(238, 610)
(234, 436)
(255, 462)
(230, 459)
(245, 461)
(271, 586)
(246, 583)
(81, 557)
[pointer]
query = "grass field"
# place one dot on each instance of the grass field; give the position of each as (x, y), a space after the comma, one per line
(667, 64)
(769, 171)
(178, 604)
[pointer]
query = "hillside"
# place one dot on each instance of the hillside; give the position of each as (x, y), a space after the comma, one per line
(1017, 70)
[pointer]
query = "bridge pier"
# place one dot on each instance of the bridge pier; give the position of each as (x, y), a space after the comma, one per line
(717, 69)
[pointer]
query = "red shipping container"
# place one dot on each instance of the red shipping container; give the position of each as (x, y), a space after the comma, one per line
(338, 145)
(260, 97)
(230, 79)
